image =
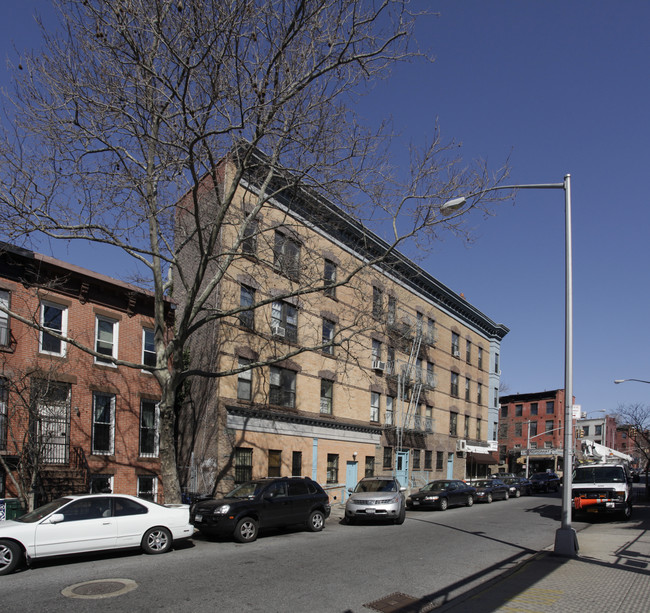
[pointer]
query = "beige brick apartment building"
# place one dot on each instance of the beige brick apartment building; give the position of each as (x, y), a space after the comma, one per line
(70, 421)
(348, 358)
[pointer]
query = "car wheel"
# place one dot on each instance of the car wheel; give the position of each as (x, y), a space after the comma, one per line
(517, 493)
(488, 498)
(444, 503)
(349, 520)
(316, 521)
(11, 556)
(157, 540)
(627, 512)
(470, 500)
(246, 530)
(399, 520)
(506, 496)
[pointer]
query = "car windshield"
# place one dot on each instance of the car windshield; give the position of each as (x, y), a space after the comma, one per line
(599, 474)
(436, 485)
(44, 511)
(511, 481)
(376, 485)
(249, 489)
(540, 476)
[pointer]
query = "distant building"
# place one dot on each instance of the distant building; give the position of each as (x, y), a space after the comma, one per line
(601, 430)
(531, 429)
(73, 421)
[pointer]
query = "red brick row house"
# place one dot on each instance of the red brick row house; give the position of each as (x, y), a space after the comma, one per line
(72, 421)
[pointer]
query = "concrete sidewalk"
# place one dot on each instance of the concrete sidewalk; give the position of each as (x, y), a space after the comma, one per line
(611, 573)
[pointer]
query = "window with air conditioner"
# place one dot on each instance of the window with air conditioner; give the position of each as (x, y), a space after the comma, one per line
(284, 320)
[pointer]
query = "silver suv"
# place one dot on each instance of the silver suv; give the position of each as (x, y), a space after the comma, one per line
(376, 498)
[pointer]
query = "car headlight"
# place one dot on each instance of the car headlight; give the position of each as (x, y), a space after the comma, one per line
(432, 497)
(222, 509)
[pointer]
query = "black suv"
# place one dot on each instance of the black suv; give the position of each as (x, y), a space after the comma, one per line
(260, 504)
(545, 482)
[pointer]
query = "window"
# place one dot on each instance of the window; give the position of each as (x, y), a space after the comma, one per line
(54, 317)
(326, 394)
(103, 424)
(455, 345)
(439, 460)
(518, 427)
(466, 430)
(284, 320)
(548, 426)
(328, 336)
(275, 463)
(479, 393)
(392, 310)
(431, 376)
(586, 430)
(598, 430)
(468, 352)
(332, 468)
(148, 487)
(453, 424)
(504, 410)
(5, 336)
(376, 350)
(148, 428)
(548, 444)
(428, 419)
(296, 464)
(428, 459)
(519, 410)
(533, 428)
(503, 431)
(243, 464)
(370, 466)
(245, 381)
(431, 331)
(249, 238)
(480, 358)
(416, 459)
(533, 408)
(390, 361)
(479, 428)
(101, 484)
(286, 256)
(454, 384)
(329, 278)
(4, 395)
(246, 301)
(468, 395)
(283, 387)
(374, 406)
(388, 458)
(106, 339)
(550, 407)
(377, 303)
(418, 370)
(533, 445)
(148, 348)
(389, 415)
(496, 364)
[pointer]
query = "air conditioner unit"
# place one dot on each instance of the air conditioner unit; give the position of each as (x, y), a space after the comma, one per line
(461, 445)
(277, 330)
(456, 353)
(378, 365)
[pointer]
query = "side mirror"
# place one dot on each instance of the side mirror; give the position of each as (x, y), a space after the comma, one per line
(402, 489)
(57, 518)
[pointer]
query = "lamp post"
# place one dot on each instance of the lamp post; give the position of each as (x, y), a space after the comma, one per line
(624, 380)
(566, 541)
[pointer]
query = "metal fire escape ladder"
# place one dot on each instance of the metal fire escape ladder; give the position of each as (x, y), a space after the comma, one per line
(404, 379)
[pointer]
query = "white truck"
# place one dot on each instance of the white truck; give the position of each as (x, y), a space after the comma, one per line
(603, 483)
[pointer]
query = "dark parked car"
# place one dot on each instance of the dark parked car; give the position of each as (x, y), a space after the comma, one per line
(442, 494)
(545, 482)
(376, 498)
(265, 503)
(488, 490)
(519, 486)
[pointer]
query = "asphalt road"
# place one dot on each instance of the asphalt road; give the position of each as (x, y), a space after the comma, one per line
(434, 554)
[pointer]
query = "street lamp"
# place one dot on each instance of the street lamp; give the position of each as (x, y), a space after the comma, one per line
(566, 541)
(624, 380)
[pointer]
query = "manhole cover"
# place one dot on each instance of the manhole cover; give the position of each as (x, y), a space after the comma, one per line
(101, 588)
(394, 603)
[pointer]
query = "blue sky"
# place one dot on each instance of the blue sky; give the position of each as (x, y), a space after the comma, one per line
(560, 87)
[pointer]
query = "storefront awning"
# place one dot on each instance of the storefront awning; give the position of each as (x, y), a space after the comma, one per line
(481, 458)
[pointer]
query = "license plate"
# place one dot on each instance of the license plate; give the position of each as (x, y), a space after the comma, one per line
(609, 505)
(370, 511)
(198, 518)
(415, 503)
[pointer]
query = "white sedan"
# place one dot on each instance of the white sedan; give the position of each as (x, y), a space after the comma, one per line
(77, 524)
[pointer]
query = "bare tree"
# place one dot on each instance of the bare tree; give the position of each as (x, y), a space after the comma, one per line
(137, 105)
(636, 417)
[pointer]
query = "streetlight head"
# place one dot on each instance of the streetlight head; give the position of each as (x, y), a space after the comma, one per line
(452, 205)
(619, 380)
